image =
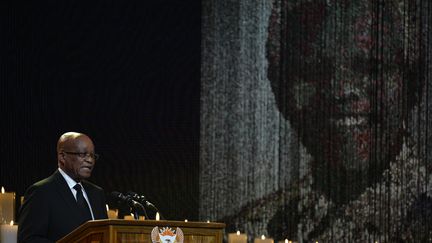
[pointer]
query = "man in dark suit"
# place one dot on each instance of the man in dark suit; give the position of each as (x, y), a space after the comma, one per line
(60, 203)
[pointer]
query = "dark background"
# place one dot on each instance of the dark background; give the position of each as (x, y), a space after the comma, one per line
(127, 73)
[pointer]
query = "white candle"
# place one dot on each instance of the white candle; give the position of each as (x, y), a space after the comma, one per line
(129, 217)
(237, 238)
(157, 217)
(263, 240)
(286, 241)
(112, 214)
(8, 233)
(7, 206)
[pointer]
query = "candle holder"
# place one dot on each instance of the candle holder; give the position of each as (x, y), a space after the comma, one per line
(263, 239)
(237, 238)
(7, 206)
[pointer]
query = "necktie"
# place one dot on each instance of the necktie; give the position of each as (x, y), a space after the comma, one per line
(82, 203)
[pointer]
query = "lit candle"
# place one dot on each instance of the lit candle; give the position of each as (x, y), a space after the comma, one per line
(112, 214)
(8, 233)
(7, 206)
(186, 220)
(286, 241)
(263, 240)
(157, 217)
(237, 238)
(129, 217)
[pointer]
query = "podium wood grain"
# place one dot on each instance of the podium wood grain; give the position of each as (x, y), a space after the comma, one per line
(138, 231)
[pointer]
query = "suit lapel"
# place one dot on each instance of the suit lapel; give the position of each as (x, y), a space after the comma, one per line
(91, 197)
(65, 192)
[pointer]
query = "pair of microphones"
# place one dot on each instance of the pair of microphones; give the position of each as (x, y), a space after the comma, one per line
(136, 202)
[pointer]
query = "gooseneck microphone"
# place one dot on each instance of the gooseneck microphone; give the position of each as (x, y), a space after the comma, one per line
(131, 202)
(142, 199)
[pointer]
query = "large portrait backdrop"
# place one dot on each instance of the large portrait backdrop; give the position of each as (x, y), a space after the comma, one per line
(314, 119)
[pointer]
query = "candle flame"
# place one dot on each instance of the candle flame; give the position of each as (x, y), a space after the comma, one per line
(2, 190)
(11, 222)
(208, 221)
(157, 216)
(238, 232)
(262, 237)
(107, 207)
(186, 220)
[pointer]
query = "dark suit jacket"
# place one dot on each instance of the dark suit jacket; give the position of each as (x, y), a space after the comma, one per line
(50, 210)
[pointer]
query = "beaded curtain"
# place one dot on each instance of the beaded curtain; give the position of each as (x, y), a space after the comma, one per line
(314, 119)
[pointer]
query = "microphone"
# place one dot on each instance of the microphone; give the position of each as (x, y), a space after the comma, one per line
(142, 199)
(130, 201)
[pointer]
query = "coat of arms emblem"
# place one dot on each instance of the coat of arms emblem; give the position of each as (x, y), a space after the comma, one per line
(167, 235)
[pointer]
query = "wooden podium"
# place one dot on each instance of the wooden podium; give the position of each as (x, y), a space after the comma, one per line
(137, 231)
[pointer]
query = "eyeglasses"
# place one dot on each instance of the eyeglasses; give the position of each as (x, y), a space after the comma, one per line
(84, 154)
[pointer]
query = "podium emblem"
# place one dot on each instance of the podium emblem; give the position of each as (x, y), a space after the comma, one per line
(167, 235)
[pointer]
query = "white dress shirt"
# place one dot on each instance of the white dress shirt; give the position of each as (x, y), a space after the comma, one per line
(71, 183)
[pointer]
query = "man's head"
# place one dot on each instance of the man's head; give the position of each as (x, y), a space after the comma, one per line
(346, 75)
(75, 155)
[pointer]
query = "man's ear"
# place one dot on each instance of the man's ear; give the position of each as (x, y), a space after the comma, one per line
(61, 158)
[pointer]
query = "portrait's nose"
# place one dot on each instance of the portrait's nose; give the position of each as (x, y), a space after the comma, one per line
(347, 93)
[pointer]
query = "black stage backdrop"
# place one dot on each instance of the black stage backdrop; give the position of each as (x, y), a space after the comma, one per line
(124, 72)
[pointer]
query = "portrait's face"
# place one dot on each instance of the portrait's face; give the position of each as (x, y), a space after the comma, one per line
(77, 158)
(339, 78)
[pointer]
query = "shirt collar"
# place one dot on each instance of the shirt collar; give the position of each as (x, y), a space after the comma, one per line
(71, 182)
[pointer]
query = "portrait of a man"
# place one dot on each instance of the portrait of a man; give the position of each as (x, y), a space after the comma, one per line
(347, 75)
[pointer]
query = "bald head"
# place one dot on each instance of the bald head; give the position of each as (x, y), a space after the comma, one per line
(75, 155)
(69, 139)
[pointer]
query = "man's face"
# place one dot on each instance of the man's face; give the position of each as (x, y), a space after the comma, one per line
(342, 85)
(76, 159)
(355, 97)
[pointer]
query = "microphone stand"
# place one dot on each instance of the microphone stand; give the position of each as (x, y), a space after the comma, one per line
(136, 205)
(131, 203)
(143, 202)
